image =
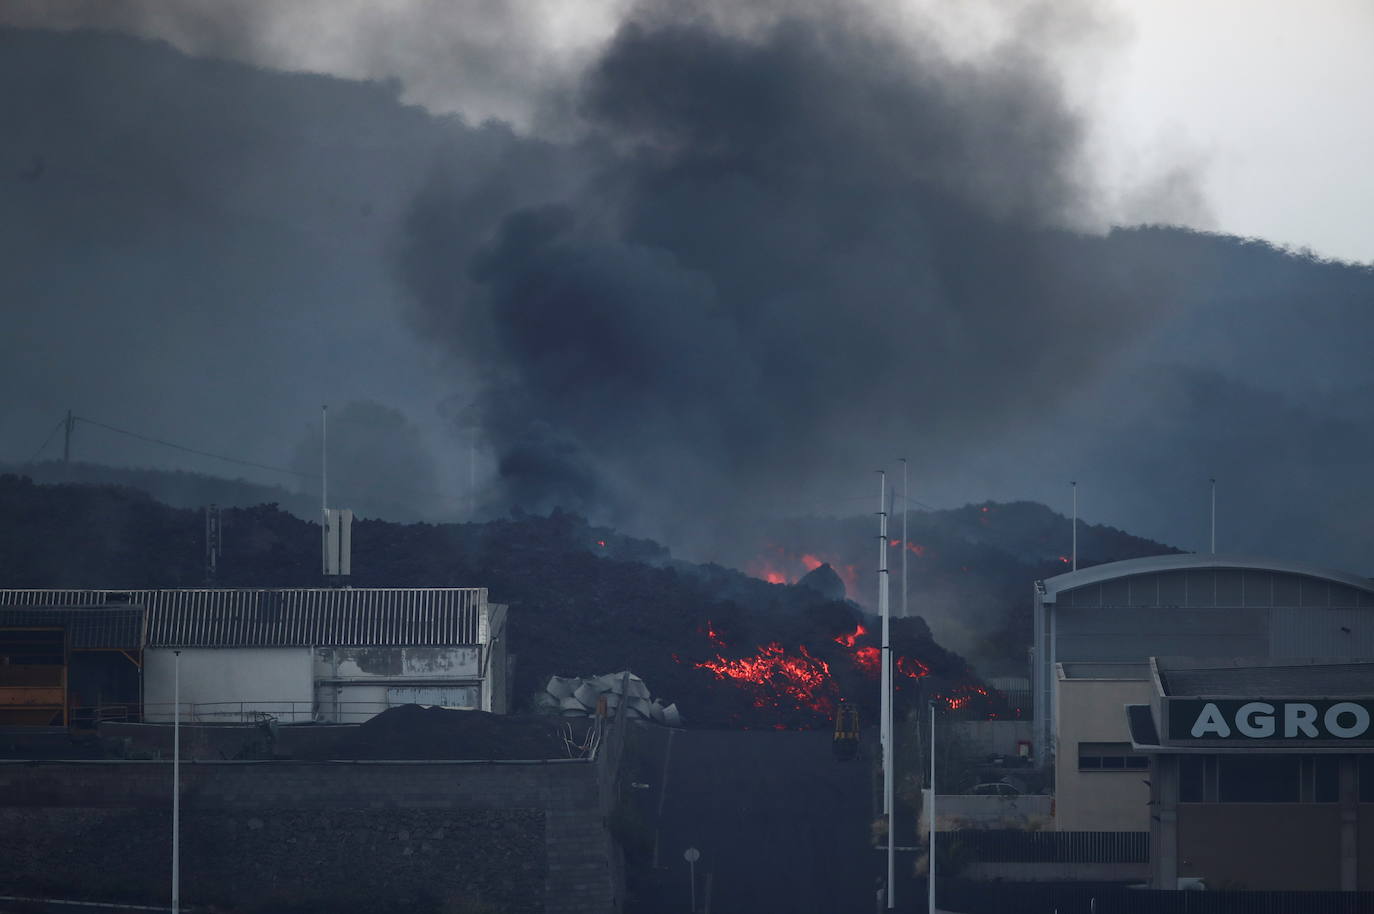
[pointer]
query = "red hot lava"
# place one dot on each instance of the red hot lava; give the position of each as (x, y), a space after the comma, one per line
(778, 567)
(849, 639)
(777, 675)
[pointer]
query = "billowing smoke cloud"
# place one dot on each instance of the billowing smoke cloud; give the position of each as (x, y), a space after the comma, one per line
(796, 248)
(724, 258)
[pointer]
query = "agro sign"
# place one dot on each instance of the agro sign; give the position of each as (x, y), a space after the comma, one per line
(1273, 721)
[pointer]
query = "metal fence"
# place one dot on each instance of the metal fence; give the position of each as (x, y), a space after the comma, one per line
(1047, 898)
(250, 712)
(1020, 846)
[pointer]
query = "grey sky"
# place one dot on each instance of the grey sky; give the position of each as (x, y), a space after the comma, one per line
(1243, 116)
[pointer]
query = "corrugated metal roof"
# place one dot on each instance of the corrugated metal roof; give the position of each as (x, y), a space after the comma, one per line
(1089, 670)
(1301, 680)
(1183, 561)
(289, 617)
(87, 628)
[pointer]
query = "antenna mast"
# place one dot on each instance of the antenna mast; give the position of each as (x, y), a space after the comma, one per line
(1074, 485)
(1214, 515)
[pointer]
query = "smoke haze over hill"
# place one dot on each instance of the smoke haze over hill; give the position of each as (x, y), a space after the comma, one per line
(725, 264)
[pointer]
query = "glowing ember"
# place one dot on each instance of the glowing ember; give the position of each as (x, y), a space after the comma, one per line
(800, 680)
(601, 543)
(911, 667)
(964, 694)
(712, 635)
(868, 660)
(849, 639)
(1064, 559)
(778, 567)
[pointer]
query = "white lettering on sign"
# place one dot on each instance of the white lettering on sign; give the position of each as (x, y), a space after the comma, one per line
(1299, 715)
(1210, 721)
(1341, 709)
(1255, 719)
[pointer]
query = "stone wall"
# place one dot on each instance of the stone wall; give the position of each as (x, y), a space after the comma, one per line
(450, 837)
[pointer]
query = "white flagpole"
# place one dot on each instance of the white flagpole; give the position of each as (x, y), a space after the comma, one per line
(1075, 525)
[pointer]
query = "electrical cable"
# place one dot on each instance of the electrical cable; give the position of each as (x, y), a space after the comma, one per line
(47, 440)
(236, 460)
(191, 450)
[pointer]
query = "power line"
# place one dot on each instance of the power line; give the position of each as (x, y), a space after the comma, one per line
(48, 440)
(236, 460)
(191, 450)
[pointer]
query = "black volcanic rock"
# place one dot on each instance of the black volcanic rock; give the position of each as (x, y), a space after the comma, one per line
(824, 581)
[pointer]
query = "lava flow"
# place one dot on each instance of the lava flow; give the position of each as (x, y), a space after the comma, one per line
(778, 676)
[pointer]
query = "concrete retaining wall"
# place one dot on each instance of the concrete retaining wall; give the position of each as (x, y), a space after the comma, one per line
(272, 836)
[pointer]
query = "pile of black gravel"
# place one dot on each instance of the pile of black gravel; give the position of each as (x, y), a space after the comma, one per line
(413, 732)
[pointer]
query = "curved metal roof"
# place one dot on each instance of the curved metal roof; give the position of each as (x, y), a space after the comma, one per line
(1191, 561)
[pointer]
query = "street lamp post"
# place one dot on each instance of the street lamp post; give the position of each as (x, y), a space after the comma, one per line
(176, 782)
(930, 865)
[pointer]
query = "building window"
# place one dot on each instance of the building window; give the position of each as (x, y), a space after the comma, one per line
(1110, 757)
(1258, 778)
(1367, 778)
(1192, 779)
(1326, 779)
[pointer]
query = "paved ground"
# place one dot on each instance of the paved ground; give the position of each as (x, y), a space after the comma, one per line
(781, 825)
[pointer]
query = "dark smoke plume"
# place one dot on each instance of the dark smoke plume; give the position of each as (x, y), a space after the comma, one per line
(793, 249)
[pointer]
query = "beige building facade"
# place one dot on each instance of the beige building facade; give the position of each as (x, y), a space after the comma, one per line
(1101, 783)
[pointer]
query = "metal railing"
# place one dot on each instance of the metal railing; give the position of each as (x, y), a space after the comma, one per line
(250, 712)
(1019, 846)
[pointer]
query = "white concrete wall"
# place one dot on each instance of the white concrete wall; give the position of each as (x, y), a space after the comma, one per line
(226, 683)
(373, 663)
(1094, 711)
(355, 702)
(355, 683)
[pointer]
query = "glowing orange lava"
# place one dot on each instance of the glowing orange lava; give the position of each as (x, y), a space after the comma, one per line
(777, 677)
(909, 666)
(849, 639)
(712, 635)
(868, 660)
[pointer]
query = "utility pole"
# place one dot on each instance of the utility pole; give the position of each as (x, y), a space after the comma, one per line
(884, 735)
(67, 438)
(889, 806)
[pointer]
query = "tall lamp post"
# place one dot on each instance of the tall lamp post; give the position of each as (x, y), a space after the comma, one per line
(176, 782)
(930, 866)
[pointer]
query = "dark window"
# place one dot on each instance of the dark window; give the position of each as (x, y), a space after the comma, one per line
(1258, 778)
(1110, 757)
(1367, 779)
(1326, 779)
(1191, 773)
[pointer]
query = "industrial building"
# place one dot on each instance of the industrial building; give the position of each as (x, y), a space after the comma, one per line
(75, 657)
(1261, 774)
(1123, 634)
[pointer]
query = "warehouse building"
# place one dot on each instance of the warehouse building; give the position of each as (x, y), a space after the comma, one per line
(1261, 773)
(1137, 634)
(75, 657)
(1192, 606)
